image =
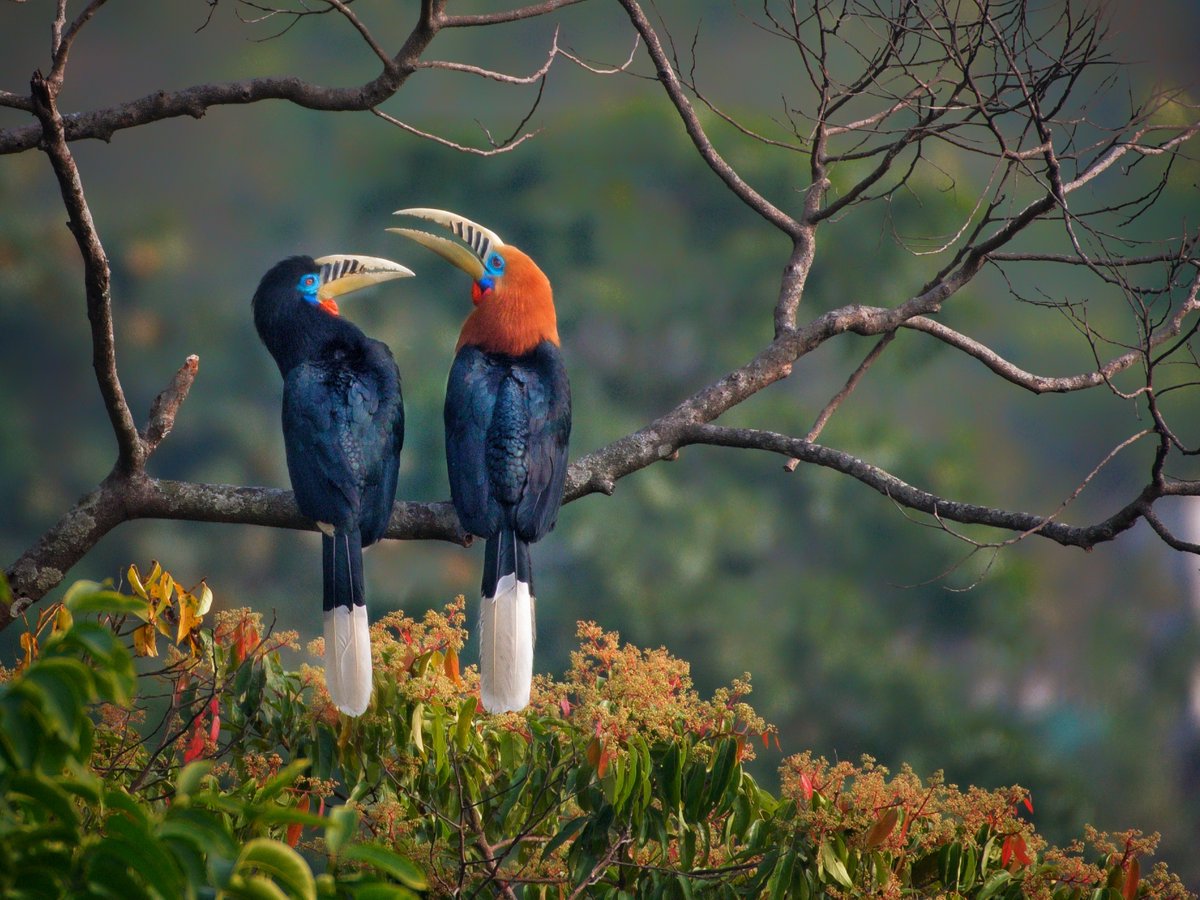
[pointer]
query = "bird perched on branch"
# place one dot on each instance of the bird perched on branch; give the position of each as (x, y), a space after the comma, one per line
(508, 420)
(343, 427)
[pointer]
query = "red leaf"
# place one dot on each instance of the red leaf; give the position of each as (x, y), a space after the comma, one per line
(1133, 874)
(594, 752)
(1006, 851)
(214, 730)
(450, 664)
(565, 705)
(294, 829)
(195, 749)
(1029, 803)
(882, 828)
(604, 758)
(766, 739)
(806, 785)
(1022, 853)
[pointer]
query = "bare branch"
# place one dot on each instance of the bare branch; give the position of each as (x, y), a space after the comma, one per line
(166, 405)
(504, 147)
(847, 389)
(889, 485)
(671, 84)
(512, 15)
(131, 454)
(64, 39)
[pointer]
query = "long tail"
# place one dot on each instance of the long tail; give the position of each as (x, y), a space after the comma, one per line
(347, 637)
(506, 630)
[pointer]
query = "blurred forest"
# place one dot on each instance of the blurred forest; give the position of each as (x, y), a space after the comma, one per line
(1073, 674)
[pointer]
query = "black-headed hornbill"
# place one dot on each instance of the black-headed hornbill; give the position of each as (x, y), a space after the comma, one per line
(508, 421)
(343, 427)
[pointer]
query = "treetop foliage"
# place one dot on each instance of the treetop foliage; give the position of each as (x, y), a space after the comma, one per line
(211, 767)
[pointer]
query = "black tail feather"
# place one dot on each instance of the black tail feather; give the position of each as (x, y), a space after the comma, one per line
(505, 554)
(343, 569)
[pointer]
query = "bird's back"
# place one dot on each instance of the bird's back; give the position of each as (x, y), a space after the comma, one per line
(343, 423)
(508, 421)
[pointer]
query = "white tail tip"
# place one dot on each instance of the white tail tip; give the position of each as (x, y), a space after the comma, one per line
(506, 647)
(348, 659)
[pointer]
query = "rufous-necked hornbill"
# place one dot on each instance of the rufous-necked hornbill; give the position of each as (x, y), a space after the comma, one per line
(508, 420)
(343, 427)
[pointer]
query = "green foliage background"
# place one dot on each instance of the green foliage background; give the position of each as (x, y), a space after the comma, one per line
(1063, 672)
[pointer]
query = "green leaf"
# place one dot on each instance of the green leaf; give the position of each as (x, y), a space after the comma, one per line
(201, 828)
(342, 824)
(47, 796)
(280, 863)
(834, 866)
(88, 597)
(284, 778)
(462, 730)
(64, 685)
(438, 729)
(381, 891)
(253, 887)
(565, 834)
(192, 776)
(287, 815)
(418, 722)
(389, 862)
(6, 595)
(994, 885)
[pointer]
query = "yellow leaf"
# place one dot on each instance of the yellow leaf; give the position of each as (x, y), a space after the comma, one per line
(145, 642)
(29, 643)
(135, 581)
(165, 587)
(188, 620)
(206, 599)
(62, 619)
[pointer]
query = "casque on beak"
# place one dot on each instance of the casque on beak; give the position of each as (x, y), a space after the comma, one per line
(477, 261)
(344, 273)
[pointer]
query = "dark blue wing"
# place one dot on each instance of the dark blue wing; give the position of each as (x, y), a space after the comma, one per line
(548, 402)
(343, 428)
(508, 421)
(471, 392)
(382, 443)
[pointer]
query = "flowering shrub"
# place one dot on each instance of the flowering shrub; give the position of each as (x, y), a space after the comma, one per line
(232, 772)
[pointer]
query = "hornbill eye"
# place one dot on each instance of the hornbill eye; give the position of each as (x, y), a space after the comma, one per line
(308, 283)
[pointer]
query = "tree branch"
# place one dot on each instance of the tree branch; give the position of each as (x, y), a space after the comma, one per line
(131, 454)
(670, 82)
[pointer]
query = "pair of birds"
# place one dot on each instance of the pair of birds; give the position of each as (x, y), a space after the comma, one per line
(508, 421)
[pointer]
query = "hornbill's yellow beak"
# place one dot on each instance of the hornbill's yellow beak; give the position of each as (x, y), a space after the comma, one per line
(482, 242)
(343, 273)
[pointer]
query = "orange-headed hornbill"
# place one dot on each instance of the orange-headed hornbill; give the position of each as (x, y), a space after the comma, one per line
(343, 427)
(508, 420)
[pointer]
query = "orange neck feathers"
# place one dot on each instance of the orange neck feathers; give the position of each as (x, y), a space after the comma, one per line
(516, 314)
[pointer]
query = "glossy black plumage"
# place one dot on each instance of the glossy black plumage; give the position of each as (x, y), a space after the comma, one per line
(343, 426)
(508, 422)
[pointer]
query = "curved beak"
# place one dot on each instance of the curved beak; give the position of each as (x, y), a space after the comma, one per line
(343, 273)
(480, 241)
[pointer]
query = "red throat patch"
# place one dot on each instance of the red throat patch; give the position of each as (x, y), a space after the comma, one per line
(329, 305)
